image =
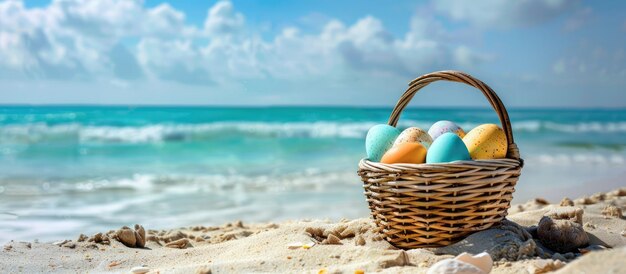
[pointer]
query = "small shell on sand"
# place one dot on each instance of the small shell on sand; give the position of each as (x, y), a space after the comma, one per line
(591, 248)
(463, 264)
(126, 236)
(332, 240)
(566, 202)
(139, 270)
(612, 211)
(482, 260)
(180, 243)
(544, 266)
(359, 240)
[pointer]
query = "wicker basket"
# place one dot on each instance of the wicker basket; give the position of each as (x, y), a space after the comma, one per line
(430, 205)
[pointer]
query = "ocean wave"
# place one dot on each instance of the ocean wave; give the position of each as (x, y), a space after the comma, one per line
(42, 132)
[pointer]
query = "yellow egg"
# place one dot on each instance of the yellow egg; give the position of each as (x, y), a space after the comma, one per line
(410, 153)
(414, 135)
(487, 141)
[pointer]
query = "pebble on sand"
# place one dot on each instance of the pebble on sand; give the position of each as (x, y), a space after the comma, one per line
(561, 235)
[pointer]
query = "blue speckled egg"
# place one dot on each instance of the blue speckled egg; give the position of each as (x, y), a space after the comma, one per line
(441, 127)
(448, 147)
(379, 139)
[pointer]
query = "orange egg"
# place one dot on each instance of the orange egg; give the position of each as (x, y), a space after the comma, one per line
(411, 153)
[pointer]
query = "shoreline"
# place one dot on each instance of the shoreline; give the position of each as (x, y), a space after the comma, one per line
(295, 246)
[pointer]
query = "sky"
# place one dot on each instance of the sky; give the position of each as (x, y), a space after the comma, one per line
(533, 53)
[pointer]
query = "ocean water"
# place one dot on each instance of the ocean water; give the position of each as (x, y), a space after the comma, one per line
(71, 170)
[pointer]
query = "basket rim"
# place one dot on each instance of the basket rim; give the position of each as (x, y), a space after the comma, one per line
(366, 164)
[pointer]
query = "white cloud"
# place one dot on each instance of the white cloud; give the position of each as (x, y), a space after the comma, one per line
(504, 14)
(222, 19)
(89, 40)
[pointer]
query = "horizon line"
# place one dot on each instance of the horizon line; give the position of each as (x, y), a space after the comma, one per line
(55, 105)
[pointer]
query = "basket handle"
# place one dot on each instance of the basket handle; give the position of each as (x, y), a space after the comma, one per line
(461, 77)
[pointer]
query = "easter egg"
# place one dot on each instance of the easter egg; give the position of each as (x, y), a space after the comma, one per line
(448, 147)
(410, 153)
(442, 127)
(414, 135)
(378, 140)
(487, 141)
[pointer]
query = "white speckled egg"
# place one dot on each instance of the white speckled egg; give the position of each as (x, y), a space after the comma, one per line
(378, 140)
(414, 135)
(441, 127)
(487, 141)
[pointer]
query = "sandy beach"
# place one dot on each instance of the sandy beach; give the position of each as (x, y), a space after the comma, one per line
(322, 246)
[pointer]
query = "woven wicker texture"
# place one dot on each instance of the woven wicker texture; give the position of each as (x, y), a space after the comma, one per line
(429, 205)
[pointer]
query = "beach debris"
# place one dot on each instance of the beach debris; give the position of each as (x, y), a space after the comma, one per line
(464, 263)
(140, 235)
(114, 264)
(359, 271)
(589, 225)
(139, 270)
(598, 197)
(332, 240)
(562, 235)
(623, 233)
(571, 213)
(541, 201)
(359, 240)
(128, 236)
(544, 266)
(8, 247)
(584, 201)
(180, 243)
(60, 243)
(308, 245)
(69, 244)
(393, 258)
(99, 238)
(566, 202)
(173, 236)
(82, 238)
(617, 193)
(591, 248)
(612, 211)
(203, 270)
(298, 245)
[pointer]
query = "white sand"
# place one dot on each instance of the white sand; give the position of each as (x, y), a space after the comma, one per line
(240, 247)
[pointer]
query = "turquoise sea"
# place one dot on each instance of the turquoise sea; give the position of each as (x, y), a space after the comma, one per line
(71, 170)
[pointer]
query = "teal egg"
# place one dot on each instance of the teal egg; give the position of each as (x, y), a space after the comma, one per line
(447, 148)
(379, 139)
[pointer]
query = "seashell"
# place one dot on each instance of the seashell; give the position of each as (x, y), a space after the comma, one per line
(447, 266)
(180, 243)
(294, 245)
(481, 260)
(591, 248)
(139, 270)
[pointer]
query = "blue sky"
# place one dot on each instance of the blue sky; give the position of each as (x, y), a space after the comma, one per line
(534, 53)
